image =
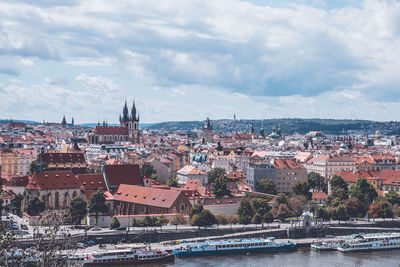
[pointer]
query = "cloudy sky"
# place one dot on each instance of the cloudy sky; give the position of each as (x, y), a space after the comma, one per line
(187, 60)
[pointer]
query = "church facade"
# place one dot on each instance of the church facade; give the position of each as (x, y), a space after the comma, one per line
(128, 131)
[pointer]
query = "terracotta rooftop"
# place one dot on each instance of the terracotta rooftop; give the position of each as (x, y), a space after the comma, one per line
(110, 130)
(146, 195)
(53, 180)
(122, 174)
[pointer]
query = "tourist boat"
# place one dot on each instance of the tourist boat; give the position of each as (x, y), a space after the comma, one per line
(332, 243)
(232, 246)
(132, 256)
(372, 242)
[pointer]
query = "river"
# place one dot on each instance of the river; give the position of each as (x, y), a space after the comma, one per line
(299, 257)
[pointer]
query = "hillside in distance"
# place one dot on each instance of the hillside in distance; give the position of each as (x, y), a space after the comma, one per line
(288, 126)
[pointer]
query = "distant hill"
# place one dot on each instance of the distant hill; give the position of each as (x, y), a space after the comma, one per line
(288, 126)
(141, 125)
(24, 121)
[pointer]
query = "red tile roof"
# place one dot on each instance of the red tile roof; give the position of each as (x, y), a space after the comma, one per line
(64, 158)
(53, 180)
(111, 130)
(91, 181)
(287, 164)
(147, 195)
(122, 174)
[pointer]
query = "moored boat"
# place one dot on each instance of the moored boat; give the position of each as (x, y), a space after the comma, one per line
(131, 256)
(232, 246)
(372, 242)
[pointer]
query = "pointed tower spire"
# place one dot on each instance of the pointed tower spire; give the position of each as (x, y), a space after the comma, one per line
(125, 115)
(133, 111)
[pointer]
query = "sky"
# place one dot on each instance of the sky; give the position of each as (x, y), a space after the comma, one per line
(188, 60)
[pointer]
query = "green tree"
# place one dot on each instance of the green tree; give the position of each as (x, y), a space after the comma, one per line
(340, 213)
(16, 204)
(339, 189)
(173, 183)
(114, 223)
(162, 220)
(282, 212)
(260, 206)
(214, 174)
(77, 210)
(257, 219)
(393, 197)
(268, 218)
(316, 181)
(354, 207)
(266, 186)
(204, 218)
(396, 210)
(218, 187)
(34, 166)
(196, 209)
(387, 209)
(302, 189)
(245, 212)
(364, 191)
(35, 206)
(321, 213)
(178, 220)
(97, 204)
(150, 221)
(297, 204)
(221, 219)
(281, 199)
(147, 170)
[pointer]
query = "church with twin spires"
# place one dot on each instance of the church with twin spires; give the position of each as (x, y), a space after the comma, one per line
(128, 131)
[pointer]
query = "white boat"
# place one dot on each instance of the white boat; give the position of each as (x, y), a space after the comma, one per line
(127, 257)
(372, 242)
(232, 246)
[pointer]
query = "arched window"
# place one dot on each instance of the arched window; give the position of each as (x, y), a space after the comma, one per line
(66, 200)
(56, 201)
(74, 194)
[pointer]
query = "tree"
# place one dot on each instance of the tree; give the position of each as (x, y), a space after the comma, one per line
(232, 219)
(340, 213)
(282, 212)
(204, 218)
(114, 223)
(364, 191)
(354, 207)
(35, 206)
(245, 212)
(196, 209)
(393, 197)
(221, 219)
(147, 170)
(316, 181)
(375, 211)
(396, 210)
(321, 213)
(150, 221)
(178, 220)
(297, 204)
(162, 220)
(260, 205)
(34, 166)
(218, 187)
(339, 189)
(302, 189)
(257, 219)
(387, 209)
(97, 204)
(214, 174)
(281, 199)
(77, 210)
(266, 186)
(268, 218)
(173, 183)
(15, 205)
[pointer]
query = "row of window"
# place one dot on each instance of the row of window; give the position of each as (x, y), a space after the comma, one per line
(242, 245)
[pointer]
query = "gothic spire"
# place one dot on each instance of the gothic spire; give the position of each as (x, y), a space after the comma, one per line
(133, 111)
(125, 116)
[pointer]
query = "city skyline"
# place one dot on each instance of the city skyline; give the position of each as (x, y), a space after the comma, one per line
(188, 61)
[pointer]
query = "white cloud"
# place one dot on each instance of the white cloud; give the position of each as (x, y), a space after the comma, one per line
(292, 60)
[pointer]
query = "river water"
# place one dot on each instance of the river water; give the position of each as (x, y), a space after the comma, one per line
(299, 257)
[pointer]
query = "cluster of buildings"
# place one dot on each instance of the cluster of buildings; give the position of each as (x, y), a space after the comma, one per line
(59, 161)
